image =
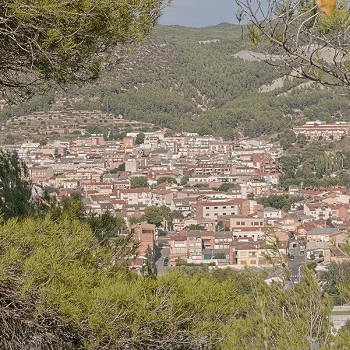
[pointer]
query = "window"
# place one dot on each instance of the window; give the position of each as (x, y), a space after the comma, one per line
(206, 207)
(242, 223)
(224, 207)
(238, 223)
(252, 254)
(215, 207)
(252, 262)
(243, 262)
(256, 223)
(147, 231)
(223, 213)
(206, 214)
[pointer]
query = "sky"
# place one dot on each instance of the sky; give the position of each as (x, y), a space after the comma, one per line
(200, 13)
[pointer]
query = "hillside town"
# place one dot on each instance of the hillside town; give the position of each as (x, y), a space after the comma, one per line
(213, 187)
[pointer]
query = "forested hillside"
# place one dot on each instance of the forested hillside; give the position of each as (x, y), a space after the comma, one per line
(191, 79)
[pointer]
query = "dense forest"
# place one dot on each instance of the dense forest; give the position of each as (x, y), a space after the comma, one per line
(193, 80)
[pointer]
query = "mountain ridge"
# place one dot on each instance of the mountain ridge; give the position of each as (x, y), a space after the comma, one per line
(187, 79)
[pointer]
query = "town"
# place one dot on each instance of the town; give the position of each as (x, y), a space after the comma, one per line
(211, 186)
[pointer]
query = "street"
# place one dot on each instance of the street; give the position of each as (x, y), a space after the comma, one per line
(295, 265)
(161, 252)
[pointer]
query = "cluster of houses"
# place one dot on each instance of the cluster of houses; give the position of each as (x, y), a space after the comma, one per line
(227, 226)
(320, 220)
(317, 130)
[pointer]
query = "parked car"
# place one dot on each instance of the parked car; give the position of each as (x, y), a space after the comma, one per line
(291, 257)
(166, 261)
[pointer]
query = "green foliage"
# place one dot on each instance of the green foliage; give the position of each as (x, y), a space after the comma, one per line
(106, 226)
(290, 164)
(287, 138)
(121, 167)
(184, 180)
(278, 201)
(316, 165)
(185, 93)
(73, 207)
(43, 141)
(301, 140)
(166, 179)
(251, 196)
(62, 42)
(140, 137)
(201, 185)
(138, 182)
(176, 214)
(342, 340)
(149, 268)
(337, 274)
(15, 186)
(169, 82)
(225, 187)
(64, 269)
(156, 215)
(195, 227)
(95, 129)
(219, 256)
(136, 220)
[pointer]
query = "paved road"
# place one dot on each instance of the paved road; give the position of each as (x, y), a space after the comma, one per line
(296, 265)
(161, 252)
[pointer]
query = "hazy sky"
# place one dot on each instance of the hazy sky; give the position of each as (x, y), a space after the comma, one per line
(200, 13)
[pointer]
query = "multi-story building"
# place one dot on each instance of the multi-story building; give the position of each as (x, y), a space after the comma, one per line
(135, 195)
(178, 248)
(254, 253)
(145, 234)
(319, 210)
(239, 222)
(213, 209)
(316, 131)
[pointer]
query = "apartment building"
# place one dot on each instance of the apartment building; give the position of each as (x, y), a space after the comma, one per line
(197, 241)
(319, 210)
(178, 248)
(145, 234)
(251, 253)
(241, 222)
(135, 195)
(213, 209)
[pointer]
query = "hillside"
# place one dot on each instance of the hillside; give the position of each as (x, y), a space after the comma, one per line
(198, 79)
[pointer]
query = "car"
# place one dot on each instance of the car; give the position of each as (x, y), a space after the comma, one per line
(166, 261)
(291, 257)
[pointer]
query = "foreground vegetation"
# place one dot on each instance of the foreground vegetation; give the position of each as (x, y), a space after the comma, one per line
(62, 288)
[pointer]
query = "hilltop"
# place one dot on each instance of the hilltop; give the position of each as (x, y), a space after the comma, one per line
(197, 79)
